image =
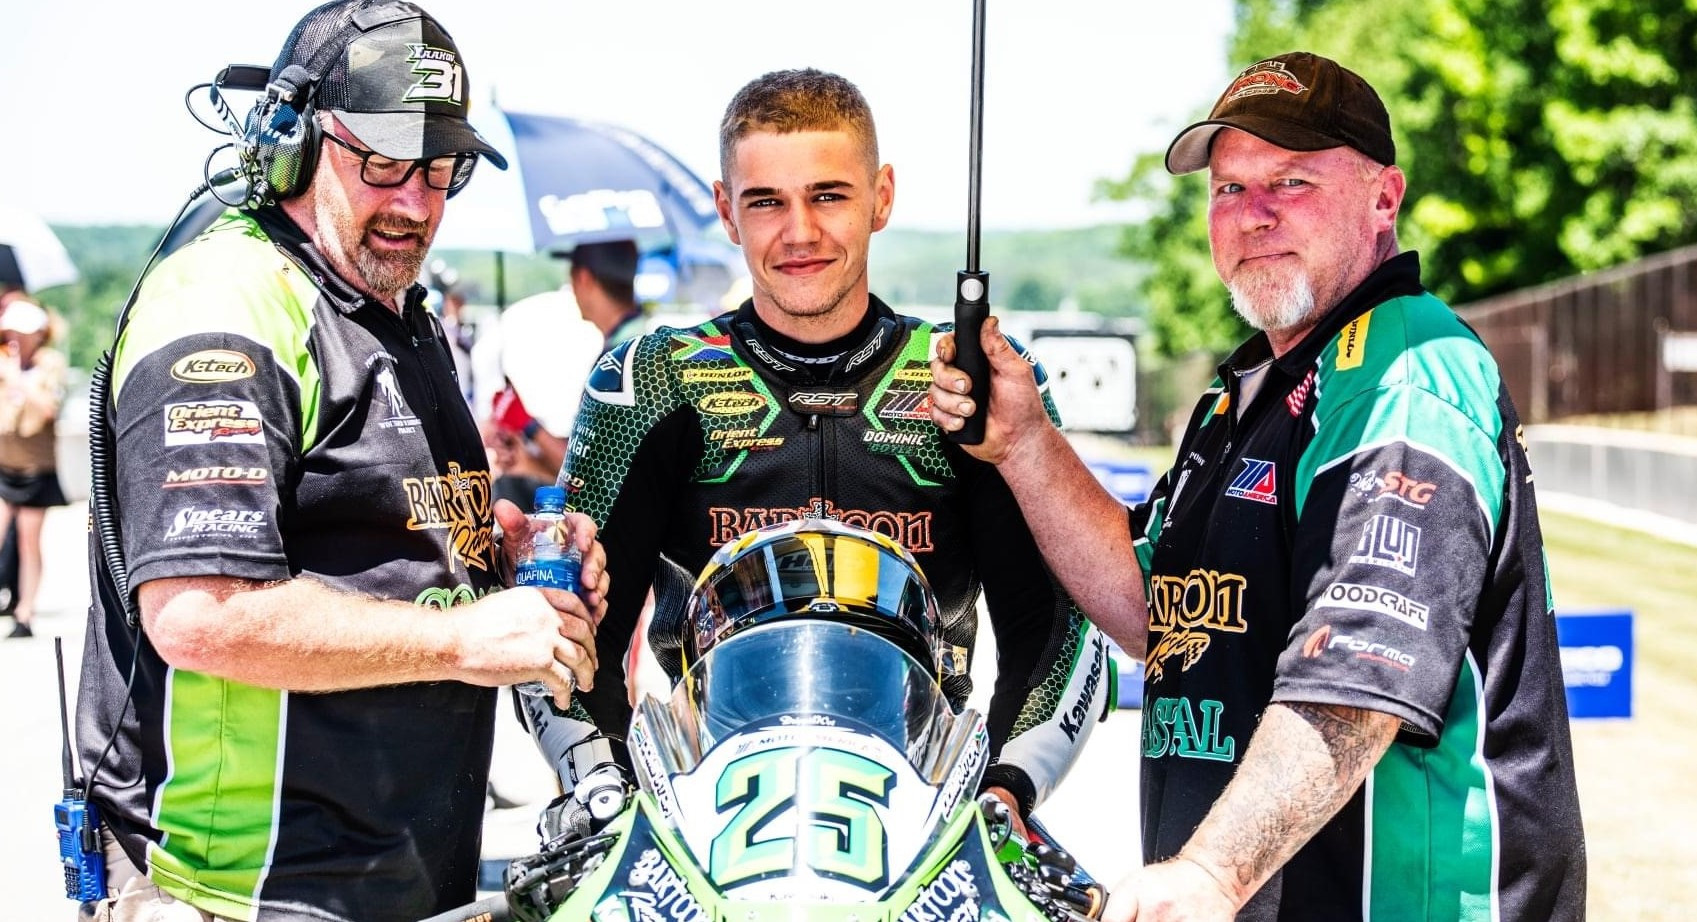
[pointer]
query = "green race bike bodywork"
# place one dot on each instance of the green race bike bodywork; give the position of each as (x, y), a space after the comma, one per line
(804, 769)
(650, 874)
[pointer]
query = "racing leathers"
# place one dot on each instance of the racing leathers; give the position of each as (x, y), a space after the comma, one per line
(687, 438)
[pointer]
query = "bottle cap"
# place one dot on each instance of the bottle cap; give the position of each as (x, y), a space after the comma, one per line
(550, 498)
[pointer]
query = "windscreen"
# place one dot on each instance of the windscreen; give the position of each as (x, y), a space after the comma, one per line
(813, 673)
(818, 740)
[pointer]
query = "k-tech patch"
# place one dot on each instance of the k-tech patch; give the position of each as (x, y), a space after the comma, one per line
(212, 366)
(731, 403)
(1256, 481)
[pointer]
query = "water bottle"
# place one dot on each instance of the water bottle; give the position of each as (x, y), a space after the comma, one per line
(550, 559)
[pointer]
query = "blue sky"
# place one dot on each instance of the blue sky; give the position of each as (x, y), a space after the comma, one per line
(96, 131)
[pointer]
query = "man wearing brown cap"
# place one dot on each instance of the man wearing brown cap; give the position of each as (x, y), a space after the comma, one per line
(1353, 706)
(289, 715)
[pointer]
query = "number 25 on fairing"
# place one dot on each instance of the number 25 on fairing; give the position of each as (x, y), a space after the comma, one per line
(834, 797)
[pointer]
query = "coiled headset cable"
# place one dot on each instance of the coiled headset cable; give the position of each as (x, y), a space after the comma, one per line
(103, 469)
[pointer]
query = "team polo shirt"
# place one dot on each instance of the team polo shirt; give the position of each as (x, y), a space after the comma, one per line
(1362, 532)
(272, 423)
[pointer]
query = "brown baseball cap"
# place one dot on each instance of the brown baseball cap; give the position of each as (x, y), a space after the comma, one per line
(1297, 101)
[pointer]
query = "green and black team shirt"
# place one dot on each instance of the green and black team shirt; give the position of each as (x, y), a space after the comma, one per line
(1353, 523)
(687, 438)
(273, 423)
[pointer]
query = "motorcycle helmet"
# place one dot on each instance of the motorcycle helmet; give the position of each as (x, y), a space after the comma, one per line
(814, 568)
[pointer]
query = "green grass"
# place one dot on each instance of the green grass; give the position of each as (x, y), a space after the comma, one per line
(1635, 775)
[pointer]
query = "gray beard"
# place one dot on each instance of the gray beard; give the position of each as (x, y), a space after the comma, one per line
(384, 276)
(1285, 309)
(388, 275)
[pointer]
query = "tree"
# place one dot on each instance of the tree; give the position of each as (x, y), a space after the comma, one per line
(1031, 293)
(1188, 308)
(1541, 138)
(108, 259)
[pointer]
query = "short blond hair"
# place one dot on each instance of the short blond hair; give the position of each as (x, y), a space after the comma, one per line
(785, 101)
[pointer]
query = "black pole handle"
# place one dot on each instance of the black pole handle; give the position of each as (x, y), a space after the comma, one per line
(972, 287)
(972, 306)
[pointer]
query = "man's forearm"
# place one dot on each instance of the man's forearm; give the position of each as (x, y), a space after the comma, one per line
(1303, 764)
(298, 634)
(1083, 534)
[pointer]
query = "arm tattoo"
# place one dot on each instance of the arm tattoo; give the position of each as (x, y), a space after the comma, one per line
(1303, 764)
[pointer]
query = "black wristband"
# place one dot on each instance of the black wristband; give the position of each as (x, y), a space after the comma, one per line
(1015, 781)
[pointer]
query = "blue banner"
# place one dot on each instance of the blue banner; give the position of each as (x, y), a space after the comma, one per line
(1129, 481)
(1596, 662)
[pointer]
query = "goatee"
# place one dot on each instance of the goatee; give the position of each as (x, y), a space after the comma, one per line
(1273, 307)
(391, 272)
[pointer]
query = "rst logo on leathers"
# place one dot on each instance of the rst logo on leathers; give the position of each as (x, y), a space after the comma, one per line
(825, 403)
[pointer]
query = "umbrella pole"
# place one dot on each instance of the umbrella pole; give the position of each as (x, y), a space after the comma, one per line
(972, 287)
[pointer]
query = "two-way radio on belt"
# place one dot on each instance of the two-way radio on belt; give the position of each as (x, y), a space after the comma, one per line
(76, 820)
(972, 287)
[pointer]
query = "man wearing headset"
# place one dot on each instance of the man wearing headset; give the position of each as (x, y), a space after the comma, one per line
(301, 727)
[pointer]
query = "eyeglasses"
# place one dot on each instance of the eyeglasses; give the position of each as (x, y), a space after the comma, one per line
(449, 172)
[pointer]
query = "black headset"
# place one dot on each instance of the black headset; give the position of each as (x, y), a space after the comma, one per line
(279, 146)
(278, 150)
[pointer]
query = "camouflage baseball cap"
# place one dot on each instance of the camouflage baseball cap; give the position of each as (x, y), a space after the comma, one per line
(391, 74)
(1298, 101)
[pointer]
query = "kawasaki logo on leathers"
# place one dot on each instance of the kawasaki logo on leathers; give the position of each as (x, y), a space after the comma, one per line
(1073, 721)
